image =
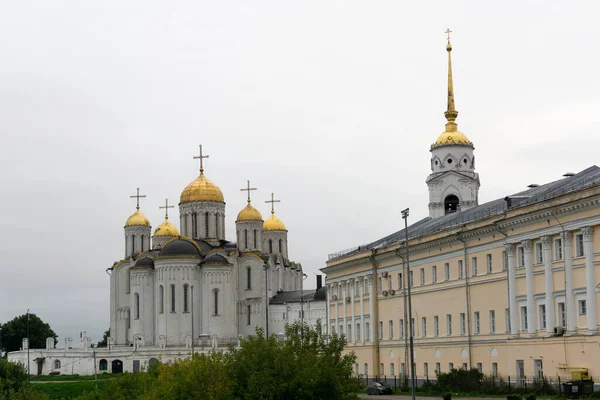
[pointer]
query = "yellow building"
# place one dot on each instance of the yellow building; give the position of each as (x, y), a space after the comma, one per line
(509, 286)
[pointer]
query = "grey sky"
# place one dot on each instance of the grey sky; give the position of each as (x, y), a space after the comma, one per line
(332, 105)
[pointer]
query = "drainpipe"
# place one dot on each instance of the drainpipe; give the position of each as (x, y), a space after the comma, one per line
(467, 298)
(495, 227)
(375, 316)
(405, 324)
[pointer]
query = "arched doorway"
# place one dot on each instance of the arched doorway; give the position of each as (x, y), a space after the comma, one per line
(117, 367)
(450, 204)
(103, 365)
(152, 361)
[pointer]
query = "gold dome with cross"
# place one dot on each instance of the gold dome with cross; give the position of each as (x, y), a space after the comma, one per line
(273, 223)
(166, 228)
(201, 188)
(249, 213)
(137, 218)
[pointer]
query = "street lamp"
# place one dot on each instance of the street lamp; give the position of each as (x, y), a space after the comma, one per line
(266, 268)
(410, 319)
(28, 370)
(304, 276)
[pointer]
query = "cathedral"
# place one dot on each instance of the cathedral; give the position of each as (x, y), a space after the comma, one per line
(172, 286)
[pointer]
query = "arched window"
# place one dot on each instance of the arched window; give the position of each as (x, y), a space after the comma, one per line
(161, 299)
(132, 246)
(248, 309)
(216, 302)
(194, 225)
(172, 298)
(245, 238)
(451, 204)
(270, 245)
(206, 224)
(217, 225)
(103, 366)
(281, 246)
(255, 242)
(248, 278)
(56, 364)
(185, 298)
(136, 306)
(142, 242)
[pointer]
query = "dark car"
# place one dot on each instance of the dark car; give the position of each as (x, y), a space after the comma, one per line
(379, 388)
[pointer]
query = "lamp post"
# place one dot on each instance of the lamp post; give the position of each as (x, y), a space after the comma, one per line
(28, 370)
(410, 319)
(304, 276)
(266, 268)
(192, 308)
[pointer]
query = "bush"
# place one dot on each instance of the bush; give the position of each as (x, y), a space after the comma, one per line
(531, 397)
(513, 397)
(447, 396)
(460, 380)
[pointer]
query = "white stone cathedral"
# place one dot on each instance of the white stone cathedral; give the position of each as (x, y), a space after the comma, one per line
(172, 286)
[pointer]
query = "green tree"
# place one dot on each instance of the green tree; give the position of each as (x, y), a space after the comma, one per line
(103, 342)
(15, 330)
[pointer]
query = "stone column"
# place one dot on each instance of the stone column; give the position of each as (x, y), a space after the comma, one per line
(328, 308)
(549, 283)
(512, 288)
(569, 302)
(588, 244)
(212, 225)
(362, 310)
(352, 324)
(529, 286)
(371, 311)
(344, 313)
(337, 307)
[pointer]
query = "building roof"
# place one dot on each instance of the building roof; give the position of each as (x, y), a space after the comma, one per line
(569, 184)
(296, 296)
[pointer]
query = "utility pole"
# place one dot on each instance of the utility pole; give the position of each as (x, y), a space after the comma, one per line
(266, 268)
(411, 328)
(304, 276)
(95, 371)
(192, 296)
(28, 371)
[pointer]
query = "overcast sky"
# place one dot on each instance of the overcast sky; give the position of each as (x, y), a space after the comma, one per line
(331, 105)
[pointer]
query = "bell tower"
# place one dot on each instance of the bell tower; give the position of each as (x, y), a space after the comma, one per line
(453, 183)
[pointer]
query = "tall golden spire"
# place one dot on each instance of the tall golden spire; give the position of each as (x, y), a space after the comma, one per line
(451, 112)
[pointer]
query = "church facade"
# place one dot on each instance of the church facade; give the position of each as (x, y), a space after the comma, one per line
(510, 287)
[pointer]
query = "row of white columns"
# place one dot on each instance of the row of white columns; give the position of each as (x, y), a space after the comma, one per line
(334, 316)
(567, 240)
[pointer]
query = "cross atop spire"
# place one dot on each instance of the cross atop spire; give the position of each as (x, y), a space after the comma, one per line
(137, 196)
(272, 201)
(201, 157)
(166, 207)
(448, 32)
(248, 189)
(451, 112)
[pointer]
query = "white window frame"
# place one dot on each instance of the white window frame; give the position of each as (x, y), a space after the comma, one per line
(492, 321)
(582, 307)
(391, 329)
(463, 324)
(579, 246)
(474, 266)
(434, 274)
(488, 259)
(558, 249)
(520, 257)
(539, 253)
(523, 313)
(461, 271)
(448, 324)
(424, 326)
(436, 326)
(477, 322)
(422, 276)
(447, 271)
(542, 316)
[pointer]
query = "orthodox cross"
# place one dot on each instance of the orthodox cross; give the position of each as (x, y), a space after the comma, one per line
(138, 196)
(248, 189)
(272, 201)
(201, 157)
(166, 207)
(448, 32)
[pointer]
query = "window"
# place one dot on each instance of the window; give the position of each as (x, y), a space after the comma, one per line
(474, 266)
(477, 322)
(206, 224)
(333, 329)
(450, 366)
(161, 299)
(401, 328)
(358, 331)
(579, 251)
(582, 307)
(426, 369)
(463, 324)
(367, 332)
(103, 366)
(558, 250)
(447, 271)
(460, 269)
(436, 326)
(488, 259)
(412, 328)
(195, 224)
(216, 302)
(539, 253)
(255, 239)
(281, 246)
(410, 279)
(56, 364)
(422, 276)
(494, 369)
(185, 298)
(400, 281)
(542, 316)
(249, 314)
(248, 278)
(492, 321)
(449, 325)
(433, 274)
(366, 369)
(521, 256)
(172, 298)
(136, 300)
(562, 317)
(389, 283)
(349, 332)
(504, 260)
(391, 329)
(523, 318)
(380, 333)
(424, 326)
(381, 369)
(464, 366)
(341, 329)
(392, 369)
(270, 245)
(245, 238)
(479, 367)
(438, 368)
(507, 319)
(379, 285)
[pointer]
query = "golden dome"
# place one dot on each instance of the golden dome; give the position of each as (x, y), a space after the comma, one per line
(274, 224)
(166, 229)
(201, 189)
(452, 137)
(249, 213)
(137, 219)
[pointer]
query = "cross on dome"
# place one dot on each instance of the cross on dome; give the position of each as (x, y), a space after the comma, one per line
(248, 189)
(137, 196)
(166, 207)
(201, 157)
(272, 201)
(448, 32)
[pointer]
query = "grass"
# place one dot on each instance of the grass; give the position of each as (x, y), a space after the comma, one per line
(67, 390)
(58, 378)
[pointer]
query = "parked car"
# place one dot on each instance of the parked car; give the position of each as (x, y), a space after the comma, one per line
(379, 388)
